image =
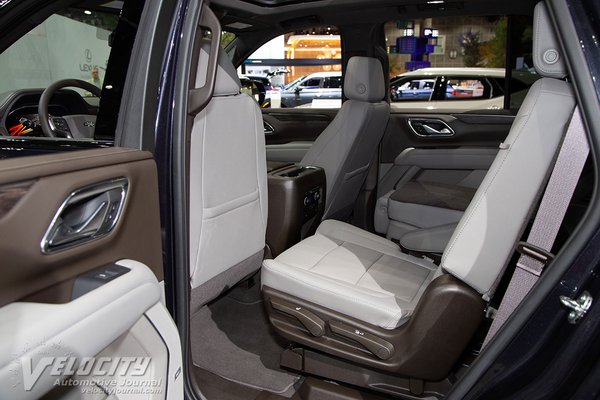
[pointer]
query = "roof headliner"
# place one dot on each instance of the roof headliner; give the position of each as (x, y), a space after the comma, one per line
(287, 14)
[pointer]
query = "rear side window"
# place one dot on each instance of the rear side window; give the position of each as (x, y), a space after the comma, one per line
(469, 52)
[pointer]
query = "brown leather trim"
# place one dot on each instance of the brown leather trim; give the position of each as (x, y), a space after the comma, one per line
(27, 273)
(425, 347)
(24, 168)
(11, 194)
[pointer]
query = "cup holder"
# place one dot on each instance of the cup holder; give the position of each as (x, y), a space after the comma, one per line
(295, 172)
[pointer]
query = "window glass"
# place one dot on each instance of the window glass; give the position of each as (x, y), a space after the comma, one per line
(301, 69)
(71, 44)
(74, 43)
(226, 38)
(466, 56)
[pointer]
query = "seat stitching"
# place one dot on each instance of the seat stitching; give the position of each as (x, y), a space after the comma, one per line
(354, 300)
(367, 270)
(325, 255)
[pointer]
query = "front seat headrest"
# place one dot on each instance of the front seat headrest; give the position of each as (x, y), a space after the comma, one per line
(547, 58)
(364, 80)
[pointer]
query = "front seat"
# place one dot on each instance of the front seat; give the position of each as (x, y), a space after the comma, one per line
(353, 294)
(228, 189)
(346, 147)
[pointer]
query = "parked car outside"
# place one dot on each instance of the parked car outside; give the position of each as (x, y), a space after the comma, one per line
(321, 89)
(457, 88)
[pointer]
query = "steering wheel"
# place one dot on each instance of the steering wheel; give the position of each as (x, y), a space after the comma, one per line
(78, 126)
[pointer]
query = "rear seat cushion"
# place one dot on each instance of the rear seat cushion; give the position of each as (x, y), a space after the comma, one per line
(352, 272)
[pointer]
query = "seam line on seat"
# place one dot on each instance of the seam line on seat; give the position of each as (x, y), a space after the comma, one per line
(324, 255)
(352, 299)
(367, 270)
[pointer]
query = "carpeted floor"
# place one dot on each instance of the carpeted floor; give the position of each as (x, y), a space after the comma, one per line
(233, 339)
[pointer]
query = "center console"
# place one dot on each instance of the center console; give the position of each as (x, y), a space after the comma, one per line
(296, 204)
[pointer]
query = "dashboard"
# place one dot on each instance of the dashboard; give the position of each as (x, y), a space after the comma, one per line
(19, 110)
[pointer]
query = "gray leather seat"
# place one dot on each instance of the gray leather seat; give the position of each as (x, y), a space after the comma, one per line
(353, 273)
(346, 148)
(427, 192)
(228, 188)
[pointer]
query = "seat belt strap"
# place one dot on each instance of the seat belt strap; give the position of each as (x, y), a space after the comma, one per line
(551, 212)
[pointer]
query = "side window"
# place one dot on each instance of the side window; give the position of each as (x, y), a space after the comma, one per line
(77, 44)
(467, 56)
(301, 69)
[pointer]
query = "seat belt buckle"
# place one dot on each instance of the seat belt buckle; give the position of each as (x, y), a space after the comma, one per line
(534, 252)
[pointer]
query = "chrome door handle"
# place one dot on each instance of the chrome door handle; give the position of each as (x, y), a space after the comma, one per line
(87, 214)
(430, 127)
(433, 131)
(268, 129)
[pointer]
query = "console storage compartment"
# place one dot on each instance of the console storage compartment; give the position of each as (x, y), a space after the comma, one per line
(296, 204)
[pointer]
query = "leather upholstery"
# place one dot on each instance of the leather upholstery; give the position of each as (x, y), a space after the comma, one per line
(228, 182)
(547, 58)
(366, 277)
(364, 80)
(485, 237)
(346, 147)
(227, 82)
(353, 272)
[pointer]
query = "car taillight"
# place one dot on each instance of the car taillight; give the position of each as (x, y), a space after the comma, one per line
(454, 93)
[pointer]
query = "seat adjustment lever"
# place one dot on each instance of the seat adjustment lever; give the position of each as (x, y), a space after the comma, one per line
(314, 324)
(381, 348)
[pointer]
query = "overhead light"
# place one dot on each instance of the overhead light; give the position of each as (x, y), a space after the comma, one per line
(87, 12)
(239, 25)
(435, 2)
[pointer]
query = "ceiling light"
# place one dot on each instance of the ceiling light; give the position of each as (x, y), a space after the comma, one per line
(435, 2)
(87, 12)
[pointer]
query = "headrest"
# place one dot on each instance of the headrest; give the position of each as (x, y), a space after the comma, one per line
(227, 82)
(364, 80)
(547, 58)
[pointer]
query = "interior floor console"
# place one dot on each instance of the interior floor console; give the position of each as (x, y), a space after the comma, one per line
(296, 204)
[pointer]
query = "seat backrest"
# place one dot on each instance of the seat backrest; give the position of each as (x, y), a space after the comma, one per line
(485, 238)
(346, 147)
(228, 187)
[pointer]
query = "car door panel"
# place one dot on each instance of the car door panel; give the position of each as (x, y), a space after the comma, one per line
(457, 158)
(71, 301)
(52, 178)
(291, 132)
